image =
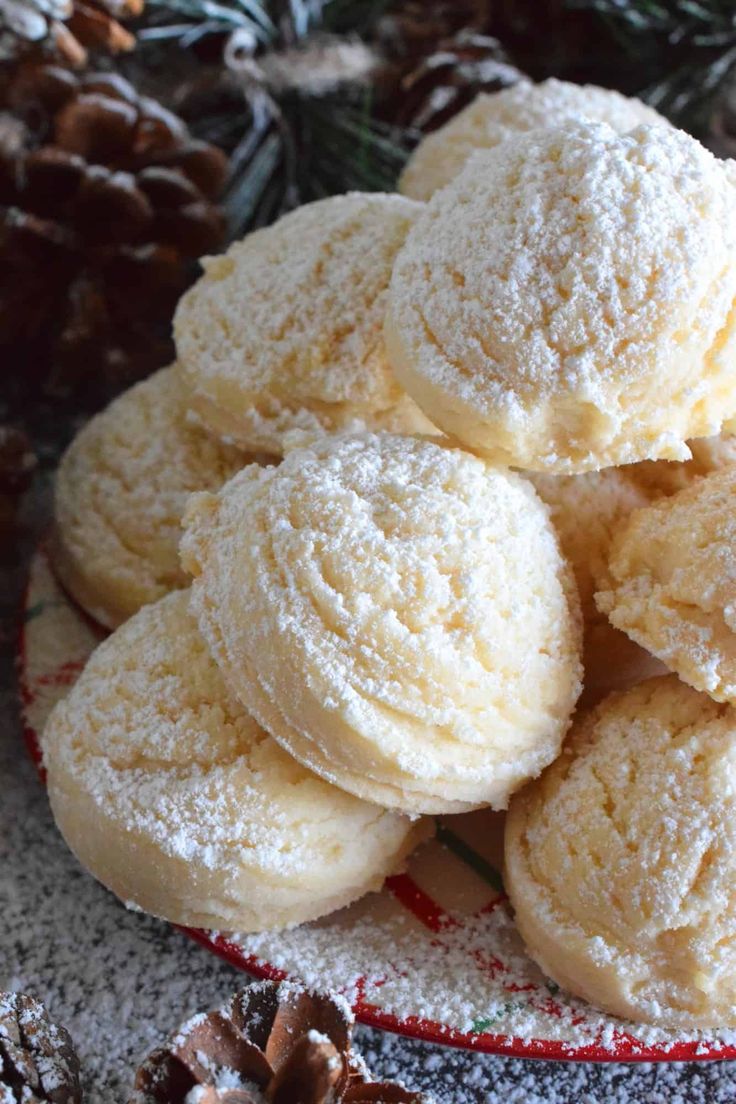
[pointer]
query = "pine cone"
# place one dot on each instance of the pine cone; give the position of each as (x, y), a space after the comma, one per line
(281, 1044)
(38, 1062)
(449, 77)
(65, 28)
(105, 201)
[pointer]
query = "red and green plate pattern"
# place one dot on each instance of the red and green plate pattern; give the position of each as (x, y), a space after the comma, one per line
(434, 955)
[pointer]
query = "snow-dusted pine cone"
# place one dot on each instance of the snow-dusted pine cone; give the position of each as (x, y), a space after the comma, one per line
(38, 1063)
(271, 1044)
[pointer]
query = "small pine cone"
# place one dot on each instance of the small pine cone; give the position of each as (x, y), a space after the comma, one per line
(449, 77)
(270, 1045)
(105, 202)
(38, 1063)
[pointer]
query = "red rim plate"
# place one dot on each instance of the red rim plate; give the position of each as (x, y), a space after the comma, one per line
(623, 1046)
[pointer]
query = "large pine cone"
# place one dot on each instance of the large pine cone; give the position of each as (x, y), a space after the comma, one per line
(105, 201)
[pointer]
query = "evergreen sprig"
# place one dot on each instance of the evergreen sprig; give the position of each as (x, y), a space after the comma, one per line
(288, 146)
(685, 50)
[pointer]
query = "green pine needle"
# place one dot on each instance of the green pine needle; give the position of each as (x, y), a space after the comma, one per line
(311, 146)
(687, 48)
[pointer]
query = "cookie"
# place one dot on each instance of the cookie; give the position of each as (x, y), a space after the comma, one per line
(174, 798)
(671, 579)
(586, 510)
(620, 861)
(566, 303)
(709, 454)
(492, 117)
(120, 493)
(284, 332)
(397, 614)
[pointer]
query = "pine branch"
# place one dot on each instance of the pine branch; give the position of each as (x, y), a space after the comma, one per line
(303, 17)
(685, 50)
(305, 127)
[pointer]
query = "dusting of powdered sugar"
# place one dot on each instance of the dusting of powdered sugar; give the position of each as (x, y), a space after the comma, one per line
(309, 350)
(167, 768)
(474, 977)
(120, 492)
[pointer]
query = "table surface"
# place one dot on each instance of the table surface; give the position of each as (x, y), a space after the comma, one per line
(121, 981)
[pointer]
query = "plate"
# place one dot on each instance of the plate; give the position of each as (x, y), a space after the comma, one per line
(435, 955)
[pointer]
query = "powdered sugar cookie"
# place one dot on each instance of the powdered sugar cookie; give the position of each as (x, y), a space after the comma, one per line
(395, 613)
(709, 454)
(566, 303)
(176, 800)
(586, 511)
(284, 332)
(671, 580)
(621, 858)
(120, 493)
(492, 117)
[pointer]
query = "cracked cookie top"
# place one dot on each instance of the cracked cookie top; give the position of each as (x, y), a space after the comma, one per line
(284, 332)
(670, 581)
(621, 858)
(567, 303)
(397, 614)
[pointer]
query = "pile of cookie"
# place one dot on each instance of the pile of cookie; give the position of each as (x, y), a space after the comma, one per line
(428, 466)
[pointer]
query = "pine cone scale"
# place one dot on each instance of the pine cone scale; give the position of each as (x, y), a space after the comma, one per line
(313, 1072)
(210, 1095)
(96, 28)
(167, 187)
(96, 127)
(226, 1049)
(51, 179)
(323, 1017)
